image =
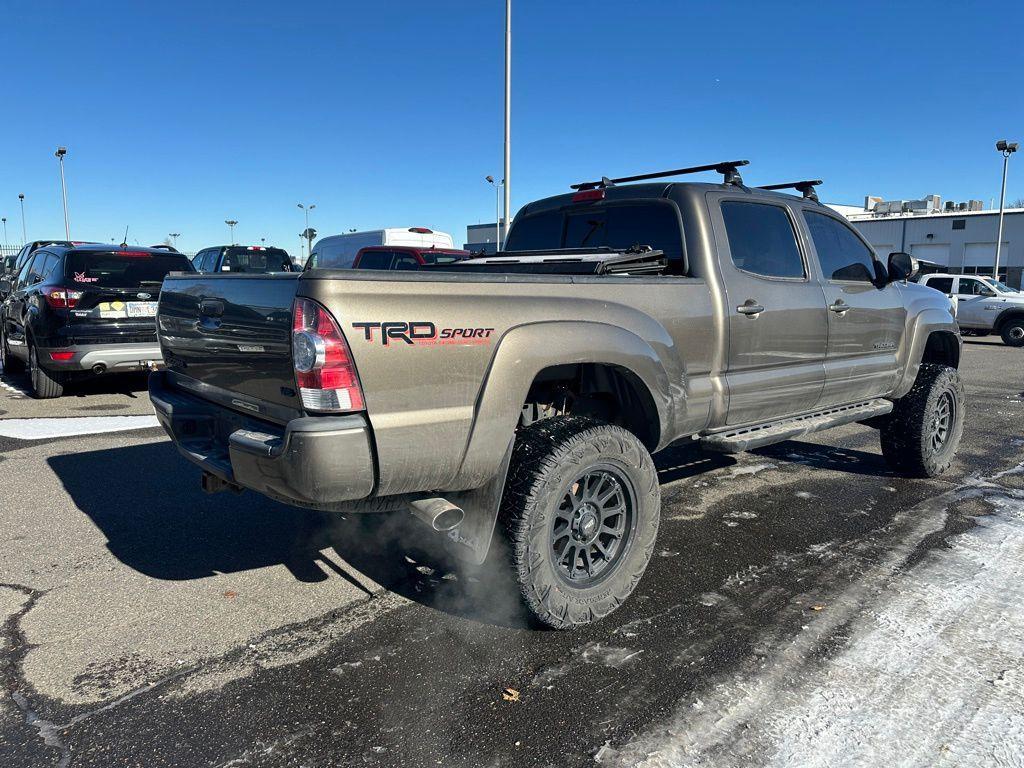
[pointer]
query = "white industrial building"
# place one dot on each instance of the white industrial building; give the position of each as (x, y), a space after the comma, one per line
(955, 237)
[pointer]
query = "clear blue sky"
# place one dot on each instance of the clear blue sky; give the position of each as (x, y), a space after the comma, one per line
(180, 115)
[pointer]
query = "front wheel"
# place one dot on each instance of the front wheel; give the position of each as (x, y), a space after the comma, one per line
(1012, 332)
(921, 435)
(45, 384)
(580, 510)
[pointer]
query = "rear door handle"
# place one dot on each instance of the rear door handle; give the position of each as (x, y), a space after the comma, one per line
(840, 307)
(750, 308)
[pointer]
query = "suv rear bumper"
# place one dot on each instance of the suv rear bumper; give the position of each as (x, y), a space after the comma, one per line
(109, 357)
(311, 461)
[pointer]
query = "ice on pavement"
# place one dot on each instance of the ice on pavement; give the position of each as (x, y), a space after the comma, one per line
(930, 672)
(45, 429)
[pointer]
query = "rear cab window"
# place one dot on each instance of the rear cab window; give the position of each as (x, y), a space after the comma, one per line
(121, 269)
(259, 261)
(375, 260)
(762, 241)
(617, 225)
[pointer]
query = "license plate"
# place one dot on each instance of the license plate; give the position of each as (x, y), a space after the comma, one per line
(141, 309)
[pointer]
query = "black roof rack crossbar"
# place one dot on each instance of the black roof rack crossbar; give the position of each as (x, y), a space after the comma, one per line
(805, 188)
(728, 169)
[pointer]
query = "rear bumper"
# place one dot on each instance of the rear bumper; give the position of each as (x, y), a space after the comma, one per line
(109, 357)
(311, 461)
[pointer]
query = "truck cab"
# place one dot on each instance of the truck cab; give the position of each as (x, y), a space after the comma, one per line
(242, 259)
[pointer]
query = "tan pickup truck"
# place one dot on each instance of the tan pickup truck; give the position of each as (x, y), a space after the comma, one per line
(531, 388)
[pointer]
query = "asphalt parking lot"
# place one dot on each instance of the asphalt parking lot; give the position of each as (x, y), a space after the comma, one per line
(805, 607)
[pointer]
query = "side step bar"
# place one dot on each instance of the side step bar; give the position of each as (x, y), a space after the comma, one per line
(758, 435)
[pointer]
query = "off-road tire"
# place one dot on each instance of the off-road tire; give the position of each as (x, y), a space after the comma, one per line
(1012, 332)
(11, 364)
(45, 384)
(907, 435)
(547, 459)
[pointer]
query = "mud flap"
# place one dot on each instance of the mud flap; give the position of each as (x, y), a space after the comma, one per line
(471, 539)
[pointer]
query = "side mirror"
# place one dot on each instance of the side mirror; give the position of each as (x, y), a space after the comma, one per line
(902, 266)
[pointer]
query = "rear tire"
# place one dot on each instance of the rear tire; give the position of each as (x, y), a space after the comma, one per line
(45, 384)
(921, 435)
(1012, 332)
(580, 511)
(10, 363)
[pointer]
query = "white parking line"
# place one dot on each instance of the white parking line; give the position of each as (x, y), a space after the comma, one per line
(43, 429)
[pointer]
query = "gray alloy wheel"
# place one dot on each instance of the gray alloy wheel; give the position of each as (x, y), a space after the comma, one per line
(580, 514)
(921, 435)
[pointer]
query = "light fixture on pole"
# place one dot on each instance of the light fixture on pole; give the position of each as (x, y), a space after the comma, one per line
(59, 154)
(174, 237)
(507, 181)
(231, 225)
(24, 237)
(497, 210)
(1005, 148)
(307, 210)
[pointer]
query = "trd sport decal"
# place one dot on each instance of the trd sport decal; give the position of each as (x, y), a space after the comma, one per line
(423, 333)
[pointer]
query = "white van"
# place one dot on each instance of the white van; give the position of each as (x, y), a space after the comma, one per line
(339, 251)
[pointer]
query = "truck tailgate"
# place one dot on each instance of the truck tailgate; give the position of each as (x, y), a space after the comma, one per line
(232, 333)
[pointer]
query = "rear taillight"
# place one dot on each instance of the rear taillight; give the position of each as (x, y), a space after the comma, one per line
(62, 357)
(324, 370)
(61, 298)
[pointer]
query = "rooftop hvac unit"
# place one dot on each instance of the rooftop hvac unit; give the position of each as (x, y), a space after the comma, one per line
(975, 205)
(961, 206)
(950, 206)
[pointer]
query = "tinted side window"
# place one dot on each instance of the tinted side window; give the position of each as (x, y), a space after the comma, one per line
(376, 260)
(941, 284)
(842, 255)
(36, 267)
(48, 264)
(761, 239)
(23, 272)
(970, 287)
(406, 261)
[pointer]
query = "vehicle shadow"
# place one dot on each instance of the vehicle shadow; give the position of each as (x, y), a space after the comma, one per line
(157, 520)
(131, 385)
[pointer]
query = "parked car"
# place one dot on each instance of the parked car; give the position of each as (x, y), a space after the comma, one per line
(13, 264)
(83, 310)
(984, 305)
(339, 251)
(405, 257)
(628, 317)
(248, 259)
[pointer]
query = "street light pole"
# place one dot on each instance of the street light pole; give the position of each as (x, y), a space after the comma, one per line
(24, 237)
(5, 231)
(508, 106)
(497, 210)
(59, 154)
(174, 237)
(231, 225)
(1005, 148)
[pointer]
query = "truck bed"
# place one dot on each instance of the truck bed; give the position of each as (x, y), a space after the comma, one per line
(425, 344)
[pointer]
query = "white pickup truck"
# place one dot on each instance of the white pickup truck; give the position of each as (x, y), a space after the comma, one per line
(984, 305)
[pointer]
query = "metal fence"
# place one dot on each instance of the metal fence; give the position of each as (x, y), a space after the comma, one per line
(12, 250)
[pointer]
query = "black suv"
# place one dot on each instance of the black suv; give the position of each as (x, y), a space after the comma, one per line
(248, 259)
(85, 308)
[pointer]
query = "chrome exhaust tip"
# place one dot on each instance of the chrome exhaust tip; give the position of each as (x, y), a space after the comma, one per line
(440, 514)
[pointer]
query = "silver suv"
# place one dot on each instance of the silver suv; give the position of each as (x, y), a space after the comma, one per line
(984, 305)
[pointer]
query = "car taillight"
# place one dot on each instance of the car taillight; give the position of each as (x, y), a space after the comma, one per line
(324, 370)
(61, 298)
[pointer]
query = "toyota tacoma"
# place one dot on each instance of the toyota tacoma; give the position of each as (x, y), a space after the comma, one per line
(526, 392)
